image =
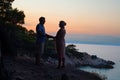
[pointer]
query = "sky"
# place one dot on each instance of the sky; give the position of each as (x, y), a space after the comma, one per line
(98, 17)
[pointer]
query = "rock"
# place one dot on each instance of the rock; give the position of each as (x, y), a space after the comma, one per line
(88, 60)
(110, 62)
(29, 71)
(64, 77)
(19, 78)
(24, 68)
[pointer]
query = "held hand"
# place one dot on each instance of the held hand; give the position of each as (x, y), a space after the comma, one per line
(49, 36)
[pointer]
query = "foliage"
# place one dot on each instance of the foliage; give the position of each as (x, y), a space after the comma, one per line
(94, 57)
(50, 49)
(15, 16)
(10, 15)
(72, 51)
(71, 48)
(17, 39)
(14, 38)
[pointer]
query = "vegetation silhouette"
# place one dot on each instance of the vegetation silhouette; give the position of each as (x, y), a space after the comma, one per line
(14, 38)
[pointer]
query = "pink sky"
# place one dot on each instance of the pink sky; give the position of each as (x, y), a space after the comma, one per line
(81, 16)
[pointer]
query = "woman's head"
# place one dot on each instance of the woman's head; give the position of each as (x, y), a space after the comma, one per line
(62, 24)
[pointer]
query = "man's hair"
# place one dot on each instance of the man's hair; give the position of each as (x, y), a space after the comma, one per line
(41, 18)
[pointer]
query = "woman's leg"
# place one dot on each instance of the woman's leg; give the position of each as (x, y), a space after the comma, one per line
(59, 63)
(63, 62)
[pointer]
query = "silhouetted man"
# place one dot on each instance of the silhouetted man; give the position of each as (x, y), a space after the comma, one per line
(40, 39)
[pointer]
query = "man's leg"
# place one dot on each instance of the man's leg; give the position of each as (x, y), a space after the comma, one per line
(40, 51)
(37, 56)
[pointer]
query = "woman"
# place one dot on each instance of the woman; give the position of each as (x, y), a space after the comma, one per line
(60, 44)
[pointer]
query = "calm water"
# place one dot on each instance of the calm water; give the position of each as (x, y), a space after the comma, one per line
(107, 53)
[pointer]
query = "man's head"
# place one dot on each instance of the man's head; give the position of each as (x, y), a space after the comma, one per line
(42, 20)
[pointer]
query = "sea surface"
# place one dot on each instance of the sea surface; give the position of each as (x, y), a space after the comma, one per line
(107, 52)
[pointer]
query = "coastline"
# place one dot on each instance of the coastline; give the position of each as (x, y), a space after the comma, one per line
(80, 58)
(101, 44)
(105, 52)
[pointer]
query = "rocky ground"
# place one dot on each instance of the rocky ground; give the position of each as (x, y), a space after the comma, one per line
(23, 68)
(90, 60)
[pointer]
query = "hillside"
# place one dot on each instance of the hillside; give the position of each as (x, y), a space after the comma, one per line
(23, 68)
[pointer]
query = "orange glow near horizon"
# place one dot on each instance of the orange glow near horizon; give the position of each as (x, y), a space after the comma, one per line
(81, 16)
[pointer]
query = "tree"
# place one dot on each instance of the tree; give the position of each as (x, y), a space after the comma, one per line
(71, 48)
(5, 5)
(15, 16)
(10, 15)
(31, 33)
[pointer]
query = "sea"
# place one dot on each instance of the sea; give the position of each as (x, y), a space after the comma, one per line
(107, 52)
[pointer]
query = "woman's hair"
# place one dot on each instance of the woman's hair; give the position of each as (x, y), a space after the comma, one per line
(63, 22)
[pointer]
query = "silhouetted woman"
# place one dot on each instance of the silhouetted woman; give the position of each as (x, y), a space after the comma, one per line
(60, 44)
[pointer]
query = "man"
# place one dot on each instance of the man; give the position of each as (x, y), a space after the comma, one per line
(40, 39)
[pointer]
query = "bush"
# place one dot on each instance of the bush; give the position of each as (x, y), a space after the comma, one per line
(94, 57)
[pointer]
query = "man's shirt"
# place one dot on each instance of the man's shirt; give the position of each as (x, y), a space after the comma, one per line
(40, 37)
